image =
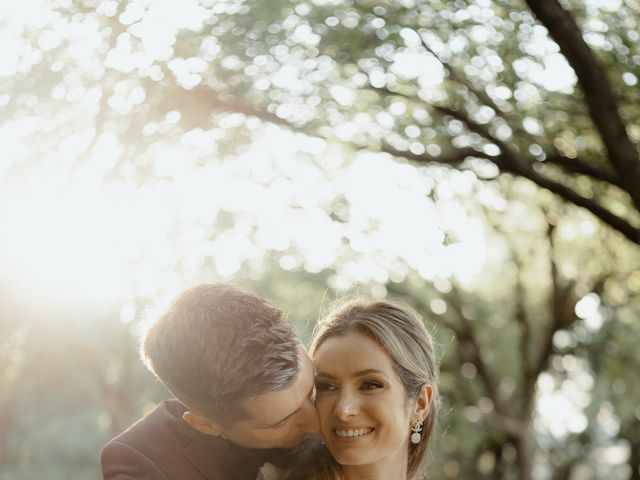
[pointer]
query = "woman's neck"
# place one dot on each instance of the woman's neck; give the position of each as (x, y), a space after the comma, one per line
(382, 470)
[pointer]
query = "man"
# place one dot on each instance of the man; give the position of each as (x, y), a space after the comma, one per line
(244, 384)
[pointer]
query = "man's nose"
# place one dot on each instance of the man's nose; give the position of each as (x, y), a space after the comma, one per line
(309, 420)
(346, 406)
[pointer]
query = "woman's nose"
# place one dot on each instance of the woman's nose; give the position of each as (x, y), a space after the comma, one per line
(346, 406)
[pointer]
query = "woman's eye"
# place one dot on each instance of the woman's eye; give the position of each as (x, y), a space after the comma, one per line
(324, 387)
(371, 385)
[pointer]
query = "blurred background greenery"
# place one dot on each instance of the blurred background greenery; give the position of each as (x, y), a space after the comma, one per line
(477, 159)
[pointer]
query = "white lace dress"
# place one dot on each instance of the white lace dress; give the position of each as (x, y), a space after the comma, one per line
(269, 472)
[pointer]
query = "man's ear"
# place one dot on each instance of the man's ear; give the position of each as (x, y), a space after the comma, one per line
(423, 403)
(202, 424)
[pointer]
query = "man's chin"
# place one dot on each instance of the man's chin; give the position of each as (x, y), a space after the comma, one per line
(294, 442)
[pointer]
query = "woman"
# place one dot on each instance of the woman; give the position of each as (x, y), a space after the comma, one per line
(376, 394)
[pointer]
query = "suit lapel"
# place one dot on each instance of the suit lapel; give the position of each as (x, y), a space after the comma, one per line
(217, 459)
(205, 455)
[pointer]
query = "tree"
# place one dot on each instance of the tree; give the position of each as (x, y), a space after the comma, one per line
(370, 75)
(541, 94)
(574, 142)
(546, 92)
(533, 331)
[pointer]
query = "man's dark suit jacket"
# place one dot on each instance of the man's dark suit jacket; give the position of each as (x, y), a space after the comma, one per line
(162, 446)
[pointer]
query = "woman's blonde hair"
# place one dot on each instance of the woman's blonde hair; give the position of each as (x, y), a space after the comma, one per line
(401, 332)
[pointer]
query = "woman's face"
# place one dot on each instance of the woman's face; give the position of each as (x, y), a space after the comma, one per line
(365, 416)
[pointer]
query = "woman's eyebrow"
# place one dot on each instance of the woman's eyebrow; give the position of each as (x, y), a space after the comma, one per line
(360, 373)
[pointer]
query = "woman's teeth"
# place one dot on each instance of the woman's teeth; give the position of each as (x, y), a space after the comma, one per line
(353, 433)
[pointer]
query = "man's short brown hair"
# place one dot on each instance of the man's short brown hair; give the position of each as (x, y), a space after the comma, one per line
(218, 346)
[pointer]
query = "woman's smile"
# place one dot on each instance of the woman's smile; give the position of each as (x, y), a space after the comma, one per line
(352, 433)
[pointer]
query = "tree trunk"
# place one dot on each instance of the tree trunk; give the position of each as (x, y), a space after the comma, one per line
(8, 398)
(524, 446)
(634, 461)
(6, 425)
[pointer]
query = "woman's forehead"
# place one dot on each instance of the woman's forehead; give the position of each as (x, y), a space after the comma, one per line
(352, 352)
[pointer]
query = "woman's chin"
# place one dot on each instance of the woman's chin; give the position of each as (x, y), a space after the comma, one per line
(349, 456)
(350, 460)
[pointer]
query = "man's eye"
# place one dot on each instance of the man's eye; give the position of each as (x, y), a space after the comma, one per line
(371, 385)
(279, 424)
(324, 387)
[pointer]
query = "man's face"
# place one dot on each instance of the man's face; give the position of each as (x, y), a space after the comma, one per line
(279, 419)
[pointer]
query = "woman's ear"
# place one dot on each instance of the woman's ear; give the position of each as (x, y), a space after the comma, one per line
(423, 403)
(202, 424)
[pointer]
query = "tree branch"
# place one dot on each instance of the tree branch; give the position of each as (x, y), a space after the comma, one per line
(561, 305)
(617, 223)
(513, 164)
(509, 161)
(523, 320)
(206, 97)
(576, 165)
(475, 127)
(466, 336)
(601, 102)
(557, 321)
(453, 157)
(456, 77)
(106, 87)
(472, 354)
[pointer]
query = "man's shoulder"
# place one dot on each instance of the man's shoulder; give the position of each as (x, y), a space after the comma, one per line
(163, 446)
(163, 424)
(156, 446)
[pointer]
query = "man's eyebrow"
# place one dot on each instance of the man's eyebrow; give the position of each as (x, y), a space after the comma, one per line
(295, 411)
(360, 373)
